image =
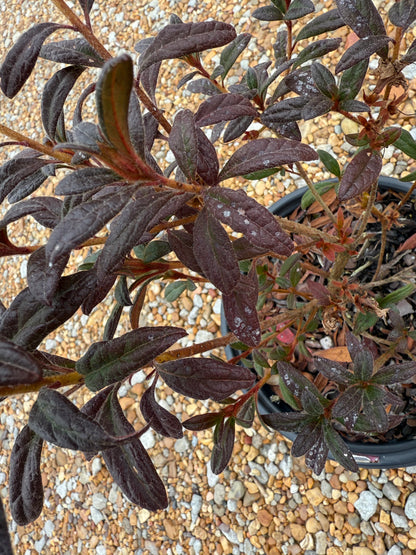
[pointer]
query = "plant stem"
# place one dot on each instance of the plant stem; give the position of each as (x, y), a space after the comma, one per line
(36, 145)
(82, 28)
(59, 380)
(315, 193)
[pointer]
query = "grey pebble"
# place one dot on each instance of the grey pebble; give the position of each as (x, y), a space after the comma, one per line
(394, 550)
(271, 468)
(326, 489)
(96, 465)
(286, 465)
(219, 494)
(101, 550)
(321, 543)
(232, 505)
(49, 528)
(197, 545)
(391, 491)
(40, 544)
(366, 528)
(62, 490)
(237, 491)
(212, 478)
(99, 501)
(196, 505)
(228, 533)
(366, 504)
(259, 472)
(248, 547)
(96, 515)
(148, 439)
(181, 445)
(410, 507)
(399, 519)
(377, 492)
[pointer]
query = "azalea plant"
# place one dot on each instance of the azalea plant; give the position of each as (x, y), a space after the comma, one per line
(138, 219)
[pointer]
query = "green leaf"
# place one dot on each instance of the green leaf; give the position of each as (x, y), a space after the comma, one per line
(112, 97)
(406, 144)
(308, 199)
(107, 362)
(394, 297)
(268, 13)
(176, 288)
(316, 50)
(352, 80)
(329, 162)
(261, 174)
(324, 80)
(299, 8)
(231, 52)
(338, 448)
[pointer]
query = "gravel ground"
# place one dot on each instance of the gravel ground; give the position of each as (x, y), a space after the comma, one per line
(265, 502)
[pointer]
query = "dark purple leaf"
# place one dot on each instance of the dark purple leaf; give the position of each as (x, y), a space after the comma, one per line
(338, 448)
(268, 13)
(107, 362)
(223, 107)
(21, 59)
(13, 172)
(231, 52)
(25, 480)
(240, 309)
(299, 8)
(324, 80)
(311, 403)
(136, 126)
(148, 79)
(236, 128)
(245, 215)
(410, 55)
(148, 208)
(182, 243)
(77, 52)
(86, 5)
(403, 14)
(245, 250)
(98, 293)
(333, 371)
(363, 365)
(360, 174)
(85, 220)
(352, 80)
(178, 40)
(361, 50)
(208, 165)
(261, 154)
(294, 380)
(285, 111)
(129, 464)
(17, 366)
(223, 446)
(307, 438)
(204, 378)
(323, 23)
(55, 419)
(203, 86)
(214, 252)
(317, 455)
(86, 179)
(42, 279)
(395, 373)
(315, 50)
(348, 406)
(354, 106)
(161, 420)
(30, 184)
(317, 106)
(54, 96)
(183, 142)
(362, 16)
(202, 421)
(45, 210)
(374, 409)
(285, 421)
(28, 321)
(301, 82)
(186, 78)
(5, 541)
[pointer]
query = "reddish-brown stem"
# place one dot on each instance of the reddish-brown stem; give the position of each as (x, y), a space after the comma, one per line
(60, 380)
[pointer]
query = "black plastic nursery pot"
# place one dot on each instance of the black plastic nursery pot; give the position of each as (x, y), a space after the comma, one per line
(394, 454)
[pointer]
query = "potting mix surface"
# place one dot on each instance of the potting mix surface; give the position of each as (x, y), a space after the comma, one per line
(265, 502)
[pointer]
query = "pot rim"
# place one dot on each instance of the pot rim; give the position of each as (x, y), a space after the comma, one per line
(393, 454)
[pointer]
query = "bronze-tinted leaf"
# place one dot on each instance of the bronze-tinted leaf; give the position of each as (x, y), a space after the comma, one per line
(245, 215)
(231, 52)
(25, 480)
(107, 362)
(183, 142)
(360, 174)
(45, 210)
(223, 107)
(161, 420)
(182, 243)
(214, 252)
(202, 421)
(13, 172)
(223, 445)
(43, 279)
(177, 40)
(86, 179)
(261, 154)
(21, 59)
(17, 366)
(204, 378)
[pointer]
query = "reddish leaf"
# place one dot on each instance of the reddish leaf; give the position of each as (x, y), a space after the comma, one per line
(245, 215)
(240, 309)
(208, 165)
(360, 174)
(161, 420)
(223, 107)
(409, 244)
(7, 248)
(182, 243)
(183, 142)
(25, 480)
(178, 40)
(204, 378)
(107, 362)
(202, 421)
(333, 370)
(84, 180)
(262, 154)
(214, 252)
(223, 445)
(21, 59)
